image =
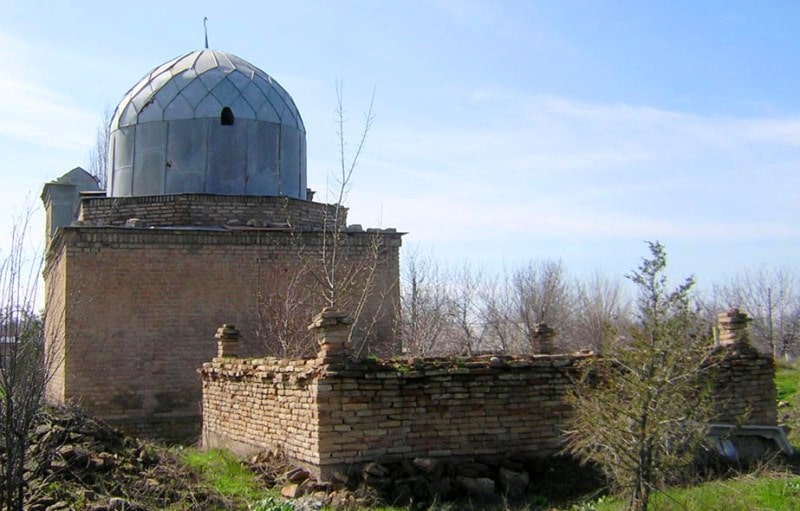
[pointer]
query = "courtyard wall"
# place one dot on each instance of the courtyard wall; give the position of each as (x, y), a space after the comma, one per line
(331, 413)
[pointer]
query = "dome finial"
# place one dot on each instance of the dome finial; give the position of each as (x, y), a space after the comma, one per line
(205, 29)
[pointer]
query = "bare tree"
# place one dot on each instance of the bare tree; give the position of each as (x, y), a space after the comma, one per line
(601, 310)
(465, 311)
(424, 306)
(339, 186)
(772, 298)
(23, 371)
(345, 271)
(285, 298)
(542, 294)
(499, 316)
(98, 155)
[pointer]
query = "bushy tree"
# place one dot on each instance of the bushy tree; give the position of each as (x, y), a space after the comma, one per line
(640, 409)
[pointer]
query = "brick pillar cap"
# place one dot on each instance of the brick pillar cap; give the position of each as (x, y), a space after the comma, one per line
(330, 318)
(735, 313)
(227, 331)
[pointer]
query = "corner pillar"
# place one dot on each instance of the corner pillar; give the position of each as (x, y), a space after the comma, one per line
(543, 339)
(732, 327)
(331, 329)
(227, 341)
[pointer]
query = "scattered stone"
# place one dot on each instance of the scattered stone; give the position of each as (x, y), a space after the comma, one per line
(297, 475)
(513, 483)
(480, 486)
(119, 504)
(82, 463)
(474, 469)
(376, 470)
(427, 465)
(290, 491)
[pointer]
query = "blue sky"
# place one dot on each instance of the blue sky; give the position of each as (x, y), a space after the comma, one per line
(505, 131)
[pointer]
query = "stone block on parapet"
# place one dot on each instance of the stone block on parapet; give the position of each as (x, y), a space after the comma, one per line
(330, 318)
(227, 341)
(732, 325)
(332, 329)
(543, 337)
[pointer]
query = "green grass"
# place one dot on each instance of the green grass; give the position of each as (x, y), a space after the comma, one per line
(226, 474)
(787, 384)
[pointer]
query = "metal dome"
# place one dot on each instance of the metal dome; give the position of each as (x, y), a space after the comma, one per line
(198, 85)
(207, 122)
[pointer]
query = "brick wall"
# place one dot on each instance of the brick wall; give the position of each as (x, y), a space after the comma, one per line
(256, 402)
(134, 308)
(744, 386)
(206, 210)
(328, 415)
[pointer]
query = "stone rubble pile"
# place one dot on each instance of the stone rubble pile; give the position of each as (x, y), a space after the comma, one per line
(420, 482)
(78, 462)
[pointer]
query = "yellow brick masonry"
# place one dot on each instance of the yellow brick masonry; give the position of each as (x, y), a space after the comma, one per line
(206, 209)
(325, 415)
(133, 309)
(334, 411)
(262, 404)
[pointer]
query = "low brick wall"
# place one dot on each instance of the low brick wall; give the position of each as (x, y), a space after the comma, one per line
(327, 413)
(331, 415)
(252, 403)
(205, 209)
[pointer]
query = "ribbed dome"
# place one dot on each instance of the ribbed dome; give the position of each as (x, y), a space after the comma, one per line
(207, 122)
(198, 85)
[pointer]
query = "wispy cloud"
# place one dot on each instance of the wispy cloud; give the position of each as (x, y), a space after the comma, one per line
(559, 167)
(33, 113)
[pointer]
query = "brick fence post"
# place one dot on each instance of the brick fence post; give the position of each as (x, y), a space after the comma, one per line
(543, 337)
(331, 329)
(227, 341)
(732, 325)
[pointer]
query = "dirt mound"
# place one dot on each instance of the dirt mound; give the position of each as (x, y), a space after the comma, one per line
(78, 462)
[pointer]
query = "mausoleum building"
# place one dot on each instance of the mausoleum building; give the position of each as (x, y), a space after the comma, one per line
(206, 219)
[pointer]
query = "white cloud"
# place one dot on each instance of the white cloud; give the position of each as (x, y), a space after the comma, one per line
(33, 113)
(563, 168)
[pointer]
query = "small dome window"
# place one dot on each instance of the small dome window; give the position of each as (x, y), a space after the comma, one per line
(226, 117)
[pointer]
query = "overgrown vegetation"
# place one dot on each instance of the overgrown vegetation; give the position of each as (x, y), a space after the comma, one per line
(225, 474)
(640, 409)
(23, 370)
